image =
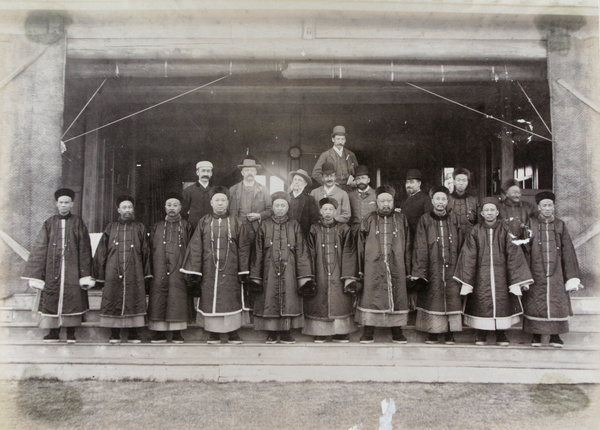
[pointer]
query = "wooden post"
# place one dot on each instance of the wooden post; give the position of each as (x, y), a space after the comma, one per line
(93, 178)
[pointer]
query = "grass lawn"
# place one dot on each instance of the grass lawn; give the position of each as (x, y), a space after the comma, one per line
(51, 404)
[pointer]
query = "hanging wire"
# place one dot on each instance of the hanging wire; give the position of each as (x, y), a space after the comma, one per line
(86, 105)
(480, 113)
(147, 109)
(534, 108)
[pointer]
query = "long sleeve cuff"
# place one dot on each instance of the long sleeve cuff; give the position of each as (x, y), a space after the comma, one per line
(247, 272)
(87, 281)
(573, 284)
(466, 289)
(515, 289)
(190, 272)
(37, 284)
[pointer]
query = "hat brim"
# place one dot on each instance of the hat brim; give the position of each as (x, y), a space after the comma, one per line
(306, 177)
(241, 166)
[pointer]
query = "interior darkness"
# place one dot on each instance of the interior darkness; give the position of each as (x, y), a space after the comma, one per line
(390, 126)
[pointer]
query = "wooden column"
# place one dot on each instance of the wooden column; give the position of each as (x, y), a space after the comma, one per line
(573, 64)
(93, 178)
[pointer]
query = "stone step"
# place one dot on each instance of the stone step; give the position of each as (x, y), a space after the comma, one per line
(90, 332)
(301, 362)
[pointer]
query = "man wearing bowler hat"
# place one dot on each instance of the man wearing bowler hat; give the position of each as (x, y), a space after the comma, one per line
(196, 201)
(249, 200)
(303, 207)
(362, 198)
(343, 160)
(60, 266)
(417, 202)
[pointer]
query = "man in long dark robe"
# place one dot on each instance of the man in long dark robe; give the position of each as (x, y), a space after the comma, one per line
(515, 212)
(384, 254)
(463, 204)
(553, 262)
(169, 301)
(60, 266)
(123, 266)
(434, 258)
(303, 207)
(331, 311)
(280, 273)
(219, 254)
(196, 201)
(492, 271)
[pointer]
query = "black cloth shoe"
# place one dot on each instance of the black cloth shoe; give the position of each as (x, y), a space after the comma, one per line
(133, 336)
(115, 335)
(556, 341)
(319, 339)
(271, 337)
(340, 338)
(367, 336)
(501, 338)
(159, 337)
(176, 337)
(235, 338)
(398, 337)
(449, 338)
(213, 338)
(536, 340)
(432, 338)
(53, 336)
(71, 335)
(286, 337)
(481, 337)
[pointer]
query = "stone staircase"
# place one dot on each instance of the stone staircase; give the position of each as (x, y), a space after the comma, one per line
(24, 353)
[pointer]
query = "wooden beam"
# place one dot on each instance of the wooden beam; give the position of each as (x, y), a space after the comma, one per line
(305, 49)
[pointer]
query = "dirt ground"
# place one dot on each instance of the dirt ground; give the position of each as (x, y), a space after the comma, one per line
(51, 404)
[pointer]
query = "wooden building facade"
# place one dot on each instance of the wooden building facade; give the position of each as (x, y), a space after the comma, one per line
(111, 97)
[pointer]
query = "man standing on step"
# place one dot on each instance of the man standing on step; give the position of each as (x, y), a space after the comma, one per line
(384, 255)
(344, 161)
(60, 266)
(331, 245)
(553, 262)
(169, 302)
(331, 190)
(122, 264)
(435, 251)
(492, 271)
(280, 273)
(362, 198)
(196, 202)
(218, 257)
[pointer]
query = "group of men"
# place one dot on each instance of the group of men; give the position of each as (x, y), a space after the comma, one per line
(327, 262)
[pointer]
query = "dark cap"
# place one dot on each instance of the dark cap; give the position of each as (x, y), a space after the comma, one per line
(509, 183)
(385, 189)
(327, 168)
(64, 192)
(413, 174)
(361, 171)
(491, 200)
(328, 200)
(544, 195)
(176, 196)
(461, 171)
(280, 195)
(438, 189)
(125, 198)
(218, 190)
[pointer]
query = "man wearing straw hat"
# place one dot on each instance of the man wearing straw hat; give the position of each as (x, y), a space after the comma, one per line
(60, 266)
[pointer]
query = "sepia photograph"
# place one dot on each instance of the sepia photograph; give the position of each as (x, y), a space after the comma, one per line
(299, 214)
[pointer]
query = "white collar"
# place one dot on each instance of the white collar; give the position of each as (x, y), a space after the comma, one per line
(340, 152)
(328, 191)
